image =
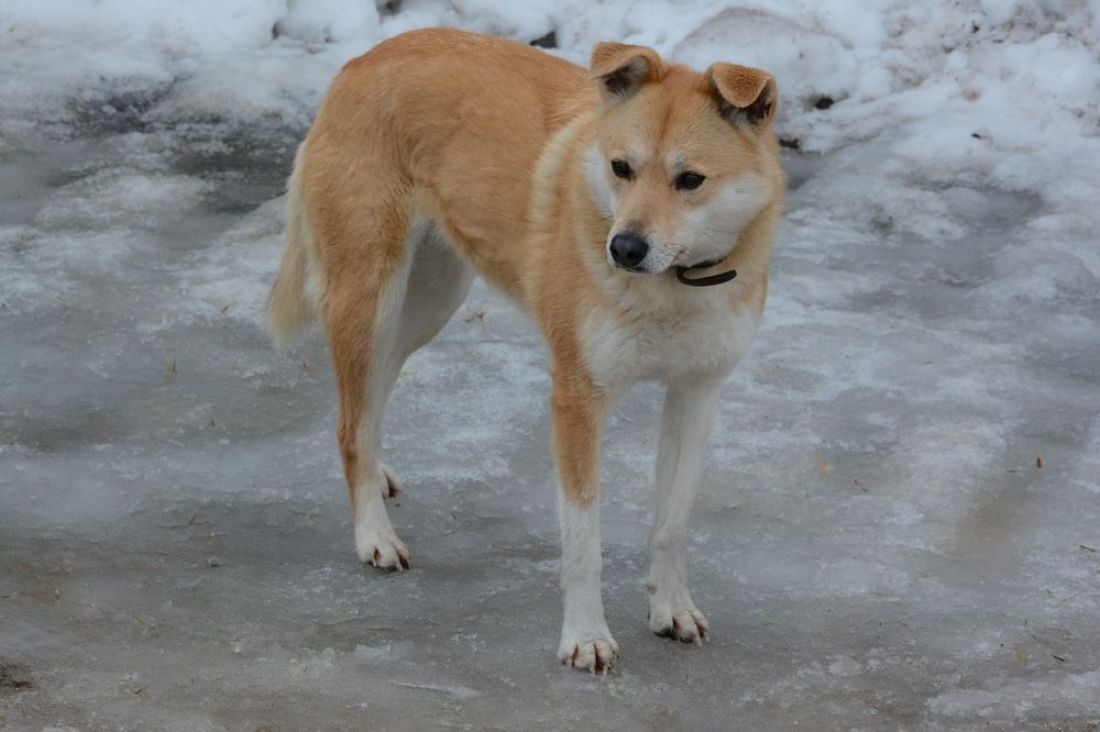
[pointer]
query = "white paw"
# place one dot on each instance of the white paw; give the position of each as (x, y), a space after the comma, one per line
(382, 550)
(391, 487)
(685, 624)
(593, 651)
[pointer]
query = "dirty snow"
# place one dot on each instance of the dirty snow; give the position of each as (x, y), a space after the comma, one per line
(899, 523)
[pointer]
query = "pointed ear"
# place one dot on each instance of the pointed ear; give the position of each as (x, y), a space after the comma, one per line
(746, 95)
(621, 69)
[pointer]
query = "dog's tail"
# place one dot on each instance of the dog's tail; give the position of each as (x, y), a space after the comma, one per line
(291, 309)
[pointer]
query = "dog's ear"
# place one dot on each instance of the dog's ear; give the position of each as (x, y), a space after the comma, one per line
(621, 68)
(745, 95)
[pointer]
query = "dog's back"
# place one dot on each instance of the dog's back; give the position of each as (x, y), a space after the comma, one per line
(458, 120)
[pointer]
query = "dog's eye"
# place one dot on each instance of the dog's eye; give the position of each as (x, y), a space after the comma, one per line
(689, 181)
(621, 169)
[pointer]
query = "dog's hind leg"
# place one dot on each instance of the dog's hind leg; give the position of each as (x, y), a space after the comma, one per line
(437, 282)
(377, 315)
(361, 305)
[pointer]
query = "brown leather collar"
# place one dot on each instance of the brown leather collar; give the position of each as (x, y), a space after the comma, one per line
(715, 279)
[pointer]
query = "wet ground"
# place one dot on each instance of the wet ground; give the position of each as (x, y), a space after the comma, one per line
(898, 528)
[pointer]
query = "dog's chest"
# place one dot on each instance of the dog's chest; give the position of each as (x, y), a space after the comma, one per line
(620, 351)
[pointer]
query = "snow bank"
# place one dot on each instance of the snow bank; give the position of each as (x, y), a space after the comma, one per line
(1006, 91)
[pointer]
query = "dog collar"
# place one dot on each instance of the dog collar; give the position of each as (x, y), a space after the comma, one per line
(716, 279)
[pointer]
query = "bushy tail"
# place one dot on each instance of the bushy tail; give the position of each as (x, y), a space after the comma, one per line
(290, 309)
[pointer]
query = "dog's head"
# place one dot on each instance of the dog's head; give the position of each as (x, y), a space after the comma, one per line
(682, 161)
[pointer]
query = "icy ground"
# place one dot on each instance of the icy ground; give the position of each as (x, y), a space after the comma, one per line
(899, 524)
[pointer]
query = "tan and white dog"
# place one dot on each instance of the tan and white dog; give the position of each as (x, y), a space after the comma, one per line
(598, 200)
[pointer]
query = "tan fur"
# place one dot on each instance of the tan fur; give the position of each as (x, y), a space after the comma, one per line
(289, 308)
(487, 139)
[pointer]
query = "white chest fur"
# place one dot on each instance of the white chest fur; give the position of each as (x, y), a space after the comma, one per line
(667, 346)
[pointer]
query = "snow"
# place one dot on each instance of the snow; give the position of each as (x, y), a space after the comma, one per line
(875, 543)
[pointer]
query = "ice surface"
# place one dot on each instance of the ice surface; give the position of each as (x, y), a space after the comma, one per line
(875, 543)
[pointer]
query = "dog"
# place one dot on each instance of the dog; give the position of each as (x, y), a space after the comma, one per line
(630, 208)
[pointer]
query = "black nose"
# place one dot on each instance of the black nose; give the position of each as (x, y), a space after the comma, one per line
(628, 250)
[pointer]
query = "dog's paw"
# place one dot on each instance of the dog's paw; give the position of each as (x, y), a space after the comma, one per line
(391, 487)
(591, 651)
(384, 551)
(685, 624)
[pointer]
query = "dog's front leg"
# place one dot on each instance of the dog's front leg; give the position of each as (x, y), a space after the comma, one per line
(685, 426)
(578, 412)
